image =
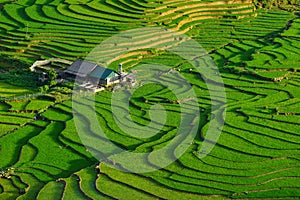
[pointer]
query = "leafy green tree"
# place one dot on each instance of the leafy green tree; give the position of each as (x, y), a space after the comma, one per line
(52, 75)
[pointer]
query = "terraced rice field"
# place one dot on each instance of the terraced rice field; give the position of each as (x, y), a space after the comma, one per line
(8, 90)
(256, 51)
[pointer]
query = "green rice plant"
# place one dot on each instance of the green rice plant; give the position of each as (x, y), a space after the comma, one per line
(289, 108)
(10, 190)
(27, 154)
(7, 22)
(72, 189)
(40, 123)
(9, 90)
(70, 138)
(140, 4)
(88, 178)
(26, 2)
(272, 74)
(52, 12)
(70, 132)
(127, 6)
(280, 193)
(18, 14)
(270, 184)
(52, 52)
(38, 104)
(119, 190)
(19, 183)
(18, 105)
(55, 155)
(284, 126)
(70, 11)
(152, 186)
(257, 153)
(12, 143)
(68, 47)
(240, 181)
(57, 114)
(115, 10)
(34, 186)
(257, 128)
(5, 128)
(14, 119)
(36, 14)
(43, 2)
(147, 184)
(4, 106)
(52, 190)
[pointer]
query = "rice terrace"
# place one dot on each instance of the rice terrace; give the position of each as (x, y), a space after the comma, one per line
(149, 99)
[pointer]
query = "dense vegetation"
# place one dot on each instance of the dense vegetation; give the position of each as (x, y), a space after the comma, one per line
(284, 4)
(257, 53)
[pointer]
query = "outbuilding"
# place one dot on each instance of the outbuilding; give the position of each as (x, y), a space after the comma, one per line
(104, 76)
(80, 69)
(88, 72)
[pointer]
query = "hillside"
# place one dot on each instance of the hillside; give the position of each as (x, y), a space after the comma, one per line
(256, 53)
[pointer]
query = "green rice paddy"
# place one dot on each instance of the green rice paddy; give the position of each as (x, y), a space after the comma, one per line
(8, 90)
(257, 53)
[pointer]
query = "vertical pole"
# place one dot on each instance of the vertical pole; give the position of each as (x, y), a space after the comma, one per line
(26, 36)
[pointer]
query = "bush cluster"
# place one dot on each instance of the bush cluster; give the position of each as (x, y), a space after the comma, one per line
(13, 62)
(275, 3)
(20, 77)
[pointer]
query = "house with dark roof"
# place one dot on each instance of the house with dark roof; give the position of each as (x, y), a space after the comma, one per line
(90, 72)
(80, 69)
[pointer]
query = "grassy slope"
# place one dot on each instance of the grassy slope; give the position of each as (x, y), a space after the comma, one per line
(7, 90)
(257, 153)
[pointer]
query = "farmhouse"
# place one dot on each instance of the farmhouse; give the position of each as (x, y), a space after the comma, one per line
(80, 69)
(104, 76)
(88, 72)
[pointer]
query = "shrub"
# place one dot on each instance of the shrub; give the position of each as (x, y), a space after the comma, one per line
(275, 3)
(21, 77)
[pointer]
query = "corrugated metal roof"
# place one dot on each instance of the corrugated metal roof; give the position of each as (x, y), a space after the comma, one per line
(84, 68)
(102, 73)
(81, 68)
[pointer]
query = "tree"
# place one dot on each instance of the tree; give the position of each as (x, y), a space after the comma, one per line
(52, 75)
